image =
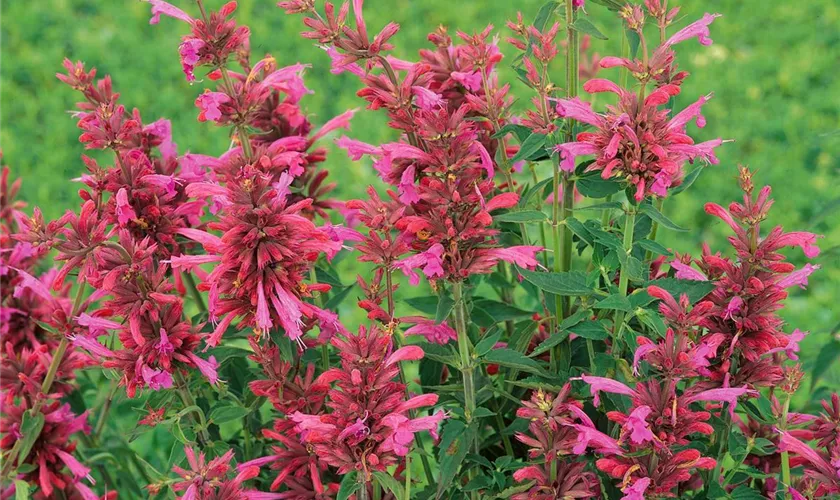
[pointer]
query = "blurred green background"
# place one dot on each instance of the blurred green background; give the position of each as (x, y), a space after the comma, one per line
(773, 69)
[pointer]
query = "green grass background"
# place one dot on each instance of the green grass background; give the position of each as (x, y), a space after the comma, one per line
(773, 69)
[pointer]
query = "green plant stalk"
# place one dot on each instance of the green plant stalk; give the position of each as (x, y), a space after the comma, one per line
(188, 400)
(623, 278)
(418, 441)
(785, 454)
(408, 477)
(465, 351)
(363, 491)
(197, 297)
(654, 228)
(543, 239)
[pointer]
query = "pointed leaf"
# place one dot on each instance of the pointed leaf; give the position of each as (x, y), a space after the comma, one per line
(570, 283)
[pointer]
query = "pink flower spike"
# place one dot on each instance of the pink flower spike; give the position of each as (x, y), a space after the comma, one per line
(597, 384)
(207, 368)
(125, 213)
(685, 272)
(160, 7)
(698, 29)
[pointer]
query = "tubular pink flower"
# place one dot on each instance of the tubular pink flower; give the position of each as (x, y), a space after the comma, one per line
(427, 99)
(806, 241)
(338, 122)
(164, 346)
(597, 384)
(339, 65)
(725, 394)
(792, 346)
(679, 121)
(356, 149)
(95, 324)
(435, 333)
(595, 439)
(407, 189)
(597, 85)
(791, 444)
(74, 465)
(430, 260)
(190, 262)
(486, 162)
(698, 29)
(156, 379)
(522, 256)
(287, 307)
(637, 425)
(30, 282)
(579, 110)
(406, 353)
(799, 277)
(686, 272)
(209, 103)
(125, 213)
(92, 346)
(160, 7)
(571, 150)
(504, 200)
(636, 490)
(189, 52)
(471, 81)
(207, 368)
(210, 242)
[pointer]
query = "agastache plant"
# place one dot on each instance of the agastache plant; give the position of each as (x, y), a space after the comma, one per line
(508, 346)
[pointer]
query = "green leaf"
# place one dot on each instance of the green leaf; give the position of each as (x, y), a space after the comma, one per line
(426, 305)
(653, 247)
(688, 181)
(550, 343)
(545, 13)
(583, 25)
(21, 489)
(615, 302)
(657, 216)
(612, 205)
(349, 485)
(825, 359)
(634, 41)
(30, 428)
(486, 344)
(444, 307)
(579, 230)
(513, 359)
(635, 269)
(763, 447)
(695, 290)
(592, 330)
(482, 412)
(572, 283)
(613, 5)
(388, 482)
(538, 187)
(454, 445)
(520, 131)
(500, 311)
(744, 492)
(478, 483)
(227, 413)
(533, 144)
(593, 186)
(521, 216)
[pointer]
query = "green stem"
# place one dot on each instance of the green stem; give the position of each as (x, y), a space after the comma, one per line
(623, 277)
(188, 400)
(197, 297)
(464, 349)
(106, 407)
(785, 455)
(408, 477)
(654, 229)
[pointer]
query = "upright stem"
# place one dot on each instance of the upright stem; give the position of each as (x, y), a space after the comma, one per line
(464, 349)
(197, 297)
(623, 277)
(188, 400)
(785, 455)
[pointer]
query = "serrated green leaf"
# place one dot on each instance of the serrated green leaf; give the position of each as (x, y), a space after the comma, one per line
(615, 302)
(522, 216)
(455, 443)
(349, 486)
(657, 216)
(388, 482)
(577, 227)
(544, 14)
(572, 283)
(744, 492)
(593, 186)
(486, 344)
(227, 413)
(653, 247)
(444, 308)
(532, 145)
(549, 343)
(514, 359)
(592, 330)
(582, 25)
(30, 429)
